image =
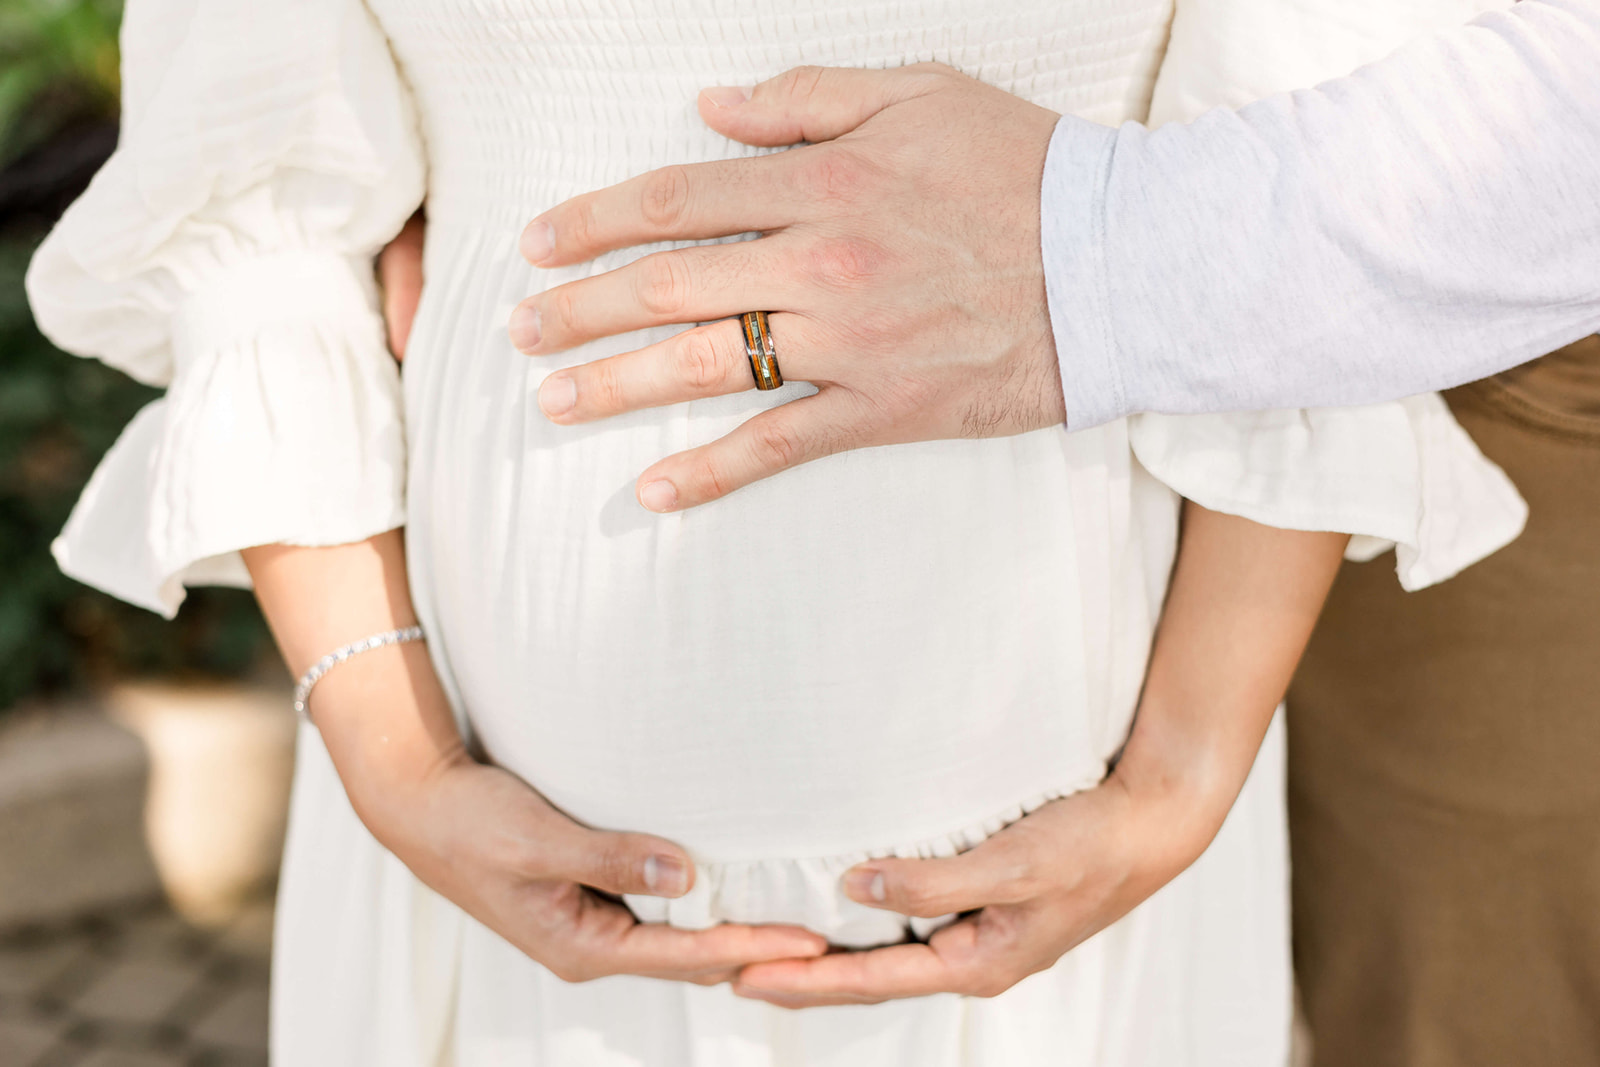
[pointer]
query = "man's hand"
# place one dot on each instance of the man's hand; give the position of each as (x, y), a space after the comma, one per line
(900, 259)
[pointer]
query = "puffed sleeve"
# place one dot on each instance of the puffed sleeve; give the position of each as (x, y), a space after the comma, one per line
(268, 150)
(1402, 475)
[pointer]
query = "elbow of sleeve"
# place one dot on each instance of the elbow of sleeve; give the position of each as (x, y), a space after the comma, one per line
(1402, 475)
(1465, 508)
(281, 424)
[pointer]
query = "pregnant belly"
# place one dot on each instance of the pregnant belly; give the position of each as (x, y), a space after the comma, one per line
(866, 654)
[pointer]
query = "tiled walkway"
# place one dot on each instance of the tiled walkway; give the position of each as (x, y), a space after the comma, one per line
(136, 988)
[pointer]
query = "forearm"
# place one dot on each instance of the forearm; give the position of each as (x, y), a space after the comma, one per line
(1423, 222)
(383, 714)
(1242, 604)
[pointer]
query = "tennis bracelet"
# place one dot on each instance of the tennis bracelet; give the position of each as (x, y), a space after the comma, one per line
(302, 691)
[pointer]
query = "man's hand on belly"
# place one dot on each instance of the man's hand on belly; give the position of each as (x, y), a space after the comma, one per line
(900, 259)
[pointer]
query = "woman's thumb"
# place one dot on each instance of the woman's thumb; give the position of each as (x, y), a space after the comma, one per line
(624, 863)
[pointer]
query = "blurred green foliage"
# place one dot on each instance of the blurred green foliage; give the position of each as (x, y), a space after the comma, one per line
(58, 62)
(58, 413)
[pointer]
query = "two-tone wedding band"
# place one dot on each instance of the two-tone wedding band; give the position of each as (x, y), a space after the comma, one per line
(758, 348)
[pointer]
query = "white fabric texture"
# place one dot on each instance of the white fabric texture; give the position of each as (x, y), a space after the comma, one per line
(1424, 221)
(959, 628)
(225, 252)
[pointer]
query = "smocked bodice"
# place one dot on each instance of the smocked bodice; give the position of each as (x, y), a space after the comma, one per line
(526, 103)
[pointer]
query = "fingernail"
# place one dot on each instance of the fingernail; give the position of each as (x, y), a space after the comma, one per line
(538, 241)
(558, 395)
(525, 330)
(727, 95)
(659, 496)
(665, 876)
(866, 885)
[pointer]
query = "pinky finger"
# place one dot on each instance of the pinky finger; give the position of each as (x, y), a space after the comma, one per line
(775, 440)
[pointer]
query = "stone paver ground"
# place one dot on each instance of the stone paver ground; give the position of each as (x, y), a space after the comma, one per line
(137, 987)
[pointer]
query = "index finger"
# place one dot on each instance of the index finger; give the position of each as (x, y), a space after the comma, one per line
(661, 951)
(688, 201)
(848, 977)
(954, 961)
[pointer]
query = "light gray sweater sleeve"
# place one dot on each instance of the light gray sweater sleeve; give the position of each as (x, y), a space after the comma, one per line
(1425, 221)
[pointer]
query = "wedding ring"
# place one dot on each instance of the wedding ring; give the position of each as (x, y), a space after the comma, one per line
(758, 347)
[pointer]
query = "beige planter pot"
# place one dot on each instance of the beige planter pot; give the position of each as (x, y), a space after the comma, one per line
(221, 759)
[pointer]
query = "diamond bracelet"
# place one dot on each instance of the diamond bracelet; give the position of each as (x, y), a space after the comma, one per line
(302, 691)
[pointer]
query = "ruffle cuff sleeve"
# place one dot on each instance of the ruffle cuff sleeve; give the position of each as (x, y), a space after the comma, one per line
(1401, 475)
(268, 151)
(282, 424)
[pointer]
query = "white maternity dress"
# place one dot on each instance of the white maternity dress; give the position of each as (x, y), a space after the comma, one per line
(958, 629)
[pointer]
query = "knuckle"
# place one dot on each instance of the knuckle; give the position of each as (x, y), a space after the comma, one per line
(801, 82)
(1009, 935)
(665, 197)
(697, 363)
(579, 227)
(603, 390)
(844, 262)
(709, 476)
(553, 908)
(663, 283)
(774, 444)
(563, 309)
(834, 175)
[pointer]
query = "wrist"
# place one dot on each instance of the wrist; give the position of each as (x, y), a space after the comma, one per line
(388, 728)
(1184, 780)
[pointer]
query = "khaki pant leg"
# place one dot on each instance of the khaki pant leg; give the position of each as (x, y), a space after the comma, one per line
(1444, 772)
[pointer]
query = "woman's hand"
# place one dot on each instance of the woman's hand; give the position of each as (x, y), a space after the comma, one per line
(1243, 600)
(483, 839)
(476, 833)
(1038, 888)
